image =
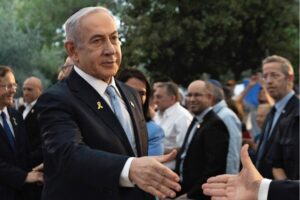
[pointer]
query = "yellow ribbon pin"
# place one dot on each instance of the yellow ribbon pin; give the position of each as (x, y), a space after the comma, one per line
(99, 105)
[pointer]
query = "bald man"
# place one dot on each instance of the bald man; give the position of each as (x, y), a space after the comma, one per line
(32, 89)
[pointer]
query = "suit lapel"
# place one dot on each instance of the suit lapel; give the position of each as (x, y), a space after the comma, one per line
(291, 104)
(132, 110)
(86, 93)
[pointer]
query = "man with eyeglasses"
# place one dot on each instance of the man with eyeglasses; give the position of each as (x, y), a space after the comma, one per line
(15, 162)
(205, 146)
(278, 77)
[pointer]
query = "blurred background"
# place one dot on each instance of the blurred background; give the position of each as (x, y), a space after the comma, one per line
(175, 39)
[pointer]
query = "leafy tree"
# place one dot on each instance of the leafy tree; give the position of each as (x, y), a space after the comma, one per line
(184, 39)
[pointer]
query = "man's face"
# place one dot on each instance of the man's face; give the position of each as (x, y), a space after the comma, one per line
(198, 99)
(261, 115)
(163, 99)
(276, 81)
(31, 91)
(7, 90)
(99, 51)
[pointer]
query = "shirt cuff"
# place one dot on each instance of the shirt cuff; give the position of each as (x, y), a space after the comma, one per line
(264, 189)
(124, 178)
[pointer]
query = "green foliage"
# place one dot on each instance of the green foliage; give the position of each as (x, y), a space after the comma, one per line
(184, 39)
(179, 39)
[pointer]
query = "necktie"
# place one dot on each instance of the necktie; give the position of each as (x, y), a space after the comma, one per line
(194, 125)
(266, 135)
(116, 106)
(8, 132)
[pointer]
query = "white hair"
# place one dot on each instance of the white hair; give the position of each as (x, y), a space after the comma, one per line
(72, 25)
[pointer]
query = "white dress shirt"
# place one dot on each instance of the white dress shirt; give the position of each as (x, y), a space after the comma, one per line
(264, 189)
(28, 107)
(175, 122)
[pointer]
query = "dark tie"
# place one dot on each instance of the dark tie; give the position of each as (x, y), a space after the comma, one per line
(116, 106)
(8, 132)
(184, 148)
(266, 135)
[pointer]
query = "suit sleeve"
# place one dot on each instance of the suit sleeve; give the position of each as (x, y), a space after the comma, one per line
(216, 141)
(11, 175)
(65, 151)
(279, 190)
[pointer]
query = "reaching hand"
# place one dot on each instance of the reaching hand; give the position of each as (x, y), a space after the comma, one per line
(149, 174)
(34, 177)
(243, 186)
(39, 168)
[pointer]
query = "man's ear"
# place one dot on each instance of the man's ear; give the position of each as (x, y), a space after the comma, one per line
(72, 51)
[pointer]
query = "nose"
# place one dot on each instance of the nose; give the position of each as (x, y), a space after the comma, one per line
(109, 48)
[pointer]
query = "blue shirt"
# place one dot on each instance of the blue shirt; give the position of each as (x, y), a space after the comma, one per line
(156, 136)
(234, 127)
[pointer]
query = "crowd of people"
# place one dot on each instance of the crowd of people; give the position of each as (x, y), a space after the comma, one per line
(102, 132)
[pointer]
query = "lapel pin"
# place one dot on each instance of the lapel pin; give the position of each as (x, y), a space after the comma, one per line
(132, 104)
(99, 105)
(32, 110)
(15, 121)
(198, 125)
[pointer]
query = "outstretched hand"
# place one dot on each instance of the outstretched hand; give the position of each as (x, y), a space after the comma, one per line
(243, 186)
(149, 174)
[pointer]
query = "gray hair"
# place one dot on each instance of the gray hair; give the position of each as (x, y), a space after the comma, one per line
(72, 25)
(215, 91)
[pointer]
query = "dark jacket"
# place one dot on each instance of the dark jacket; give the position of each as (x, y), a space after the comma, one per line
(206, 155)
(85, 146)
(14, 165)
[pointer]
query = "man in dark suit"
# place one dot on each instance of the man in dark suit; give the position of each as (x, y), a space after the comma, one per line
(250, 185)
(205, 147)
(15, 162)
(32, 89)
(278, 77)
(91, 151)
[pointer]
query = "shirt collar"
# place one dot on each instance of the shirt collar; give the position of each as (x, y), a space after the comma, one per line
(99, 85)
(169, 110)
(281, 104)
(31, 104)
(202, 114)
(5, 111)
(218, 106)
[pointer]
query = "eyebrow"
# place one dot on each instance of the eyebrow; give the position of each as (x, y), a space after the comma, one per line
(103, 35)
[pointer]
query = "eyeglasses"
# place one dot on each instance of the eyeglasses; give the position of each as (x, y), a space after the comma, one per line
(7, 87)
(272, 76)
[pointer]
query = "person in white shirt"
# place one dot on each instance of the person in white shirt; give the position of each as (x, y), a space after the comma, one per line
(249, 184)
(171, 116)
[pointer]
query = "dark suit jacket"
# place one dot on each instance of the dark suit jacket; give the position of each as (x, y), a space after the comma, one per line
(14, 165)
(34, 136)
(265, 167)
(288, 190)
(206, 155)
(284, 152)
(85, 146)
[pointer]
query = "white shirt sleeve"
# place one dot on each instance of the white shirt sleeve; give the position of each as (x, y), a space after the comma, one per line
(264, 189)
(124, 178)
